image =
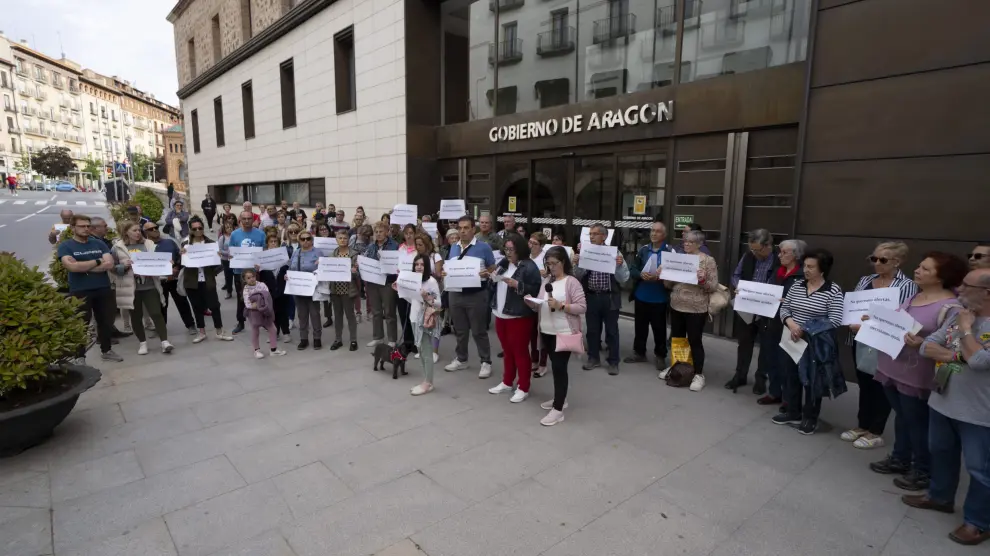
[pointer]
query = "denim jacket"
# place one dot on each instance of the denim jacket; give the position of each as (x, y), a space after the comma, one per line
(305, 261)
(819, 367)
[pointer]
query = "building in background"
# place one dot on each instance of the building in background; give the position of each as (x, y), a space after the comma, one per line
(10, 144)
(175, 158)
(56, 102)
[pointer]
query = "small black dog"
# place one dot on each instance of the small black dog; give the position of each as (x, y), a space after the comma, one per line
(385, 353)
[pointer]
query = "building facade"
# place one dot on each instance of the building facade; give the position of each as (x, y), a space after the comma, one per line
(815, 119)
(176, 172)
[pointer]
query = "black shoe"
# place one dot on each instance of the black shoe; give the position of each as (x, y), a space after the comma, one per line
(613, 370)
(114, 341)
(303, 344)
(913, 481)
(501, 354)
(120, 334)
(889, 466)
(591, 364)
(353, 346)
(786, 419)
(445, 330)
(635, 358)
(336, 345)
(760, 386)
(317, 344)
(808, 427)
(328, 323)
(228, 295)
(238, 329)
(735, 382)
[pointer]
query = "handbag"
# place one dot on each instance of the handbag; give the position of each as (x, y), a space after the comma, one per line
(866, 359)
(570, 342)
(718, 300)
(429, 317)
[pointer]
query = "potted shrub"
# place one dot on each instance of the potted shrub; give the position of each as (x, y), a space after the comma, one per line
(39, 330)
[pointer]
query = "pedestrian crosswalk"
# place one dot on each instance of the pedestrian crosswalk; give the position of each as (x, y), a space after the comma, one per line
(56, 203)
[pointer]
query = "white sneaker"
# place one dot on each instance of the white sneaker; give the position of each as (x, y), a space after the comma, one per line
(278, 352)
(697, 383)
(502, 387)
(127, 328)
(456, 365)
(258, 354)
(486, 370)
(416, 356)
(436, 357)
(149, 325)
(143, 348)
(222, 335)
(286, 339)
(374, 343)
(519, 396)
(199, 338)
(552, 418)
(167, 347)
(663, 374)
(192, 330)
(548, 405)
(540, 371)
(292, 324)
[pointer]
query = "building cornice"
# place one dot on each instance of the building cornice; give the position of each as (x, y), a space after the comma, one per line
(177, 10)
(25, 50)
(89, 81)
(296, 17)
(6, 62)
(153, 104)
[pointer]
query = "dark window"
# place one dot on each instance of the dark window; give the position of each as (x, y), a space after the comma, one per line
(247, 101)
(215, 28)
(191, 51)
(195, 128)
(343, 58)
(246, 32)
(710, 165)
(288, 77)
(218, 119)
(506, 102)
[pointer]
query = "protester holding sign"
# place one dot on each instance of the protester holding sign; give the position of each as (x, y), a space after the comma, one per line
(275, 280)
(470, 307)
(650, 297)
(138, 293)
(245, 236)
(689, 306)
(407, 252)
(342, 295)
(874, 409)
(381, 296)
(908, 379)
(201, 286)
(758, 264)
(307, 259)
(426, 330)
(604, 296)
(791, 262)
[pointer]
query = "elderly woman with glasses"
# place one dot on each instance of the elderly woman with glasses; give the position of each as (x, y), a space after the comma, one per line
(874, 408)
(979, 257)
(791, 257)
(306, 259)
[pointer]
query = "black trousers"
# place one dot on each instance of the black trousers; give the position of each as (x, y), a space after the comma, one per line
(209, 219)
(181, 303)
(558, 365)
(692, 327)
(100, 305)
(600, 313)
(402, 308)
(650, 316)
(228, 277)
(239, 289)
(874, 407)
(282, 313)
(798, 397)
(203, 299)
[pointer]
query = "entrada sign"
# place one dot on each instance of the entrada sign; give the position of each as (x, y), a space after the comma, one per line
(633, 115)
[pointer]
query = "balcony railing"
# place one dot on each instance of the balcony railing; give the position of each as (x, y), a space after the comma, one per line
(9, 108)
(73, 138)
(58, 84)
(505, 5)
(74, 89)
(555, 42)
(14, 129)
(667, 20)
(76, 122)
(33, 131)
(22, 72)
(613, 28)
(722, 33)
(140, 124)
(505, 52)
(41, 95)
(7, 85)
(41, 78)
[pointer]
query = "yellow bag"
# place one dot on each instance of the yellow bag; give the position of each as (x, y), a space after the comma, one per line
(680, 351)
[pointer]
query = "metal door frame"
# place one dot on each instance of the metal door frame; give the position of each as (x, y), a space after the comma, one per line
(733, 195)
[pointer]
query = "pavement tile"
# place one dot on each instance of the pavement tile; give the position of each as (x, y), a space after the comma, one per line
(679, 435)
(309, 489)
(374, 520)
(927, 534)
(27, 489)
(348, 404)
(95, 475)
(176, 366)
(170, 401)
(150, 538)
(777, 446)
(287, 395)
(25, 531)
(207, 443)
(405, 547)
(270, 377)
(113, 511)
(285, 453)
(216, 523)
(269, 543)
(410, 414)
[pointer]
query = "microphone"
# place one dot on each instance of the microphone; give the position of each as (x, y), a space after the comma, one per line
(549, 289)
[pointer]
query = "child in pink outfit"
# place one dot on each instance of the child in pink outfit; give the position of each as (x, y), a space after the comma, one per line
(260, 312)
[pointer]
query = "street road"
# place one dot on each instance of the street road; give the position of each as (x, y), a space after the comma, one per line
(25, 220)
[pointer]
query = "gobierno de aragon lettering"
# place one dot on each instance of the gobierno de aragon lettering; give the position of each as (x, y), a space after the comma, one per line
(620, 117)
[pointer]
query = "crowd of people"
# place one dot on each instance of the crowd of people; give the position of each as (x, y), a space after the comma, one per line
(547, 306)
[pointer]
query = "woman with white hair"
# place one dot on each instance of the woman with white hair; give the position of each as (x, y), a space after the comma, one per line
(791, 254)
(689, 306)
(874, 408)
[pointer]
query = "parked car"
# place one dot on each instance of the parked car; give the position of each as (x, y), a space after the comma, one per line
(64, 186)
(32, 185)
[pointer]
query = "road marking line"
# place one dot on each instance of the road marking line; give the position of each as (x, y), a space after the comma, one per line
(81, 203)
(20, 202)
(99, 204)
(2, 201)
(60, 203)
(25, 218)
(43, 209)
(39, 203)
(53, 197)
(2, 225)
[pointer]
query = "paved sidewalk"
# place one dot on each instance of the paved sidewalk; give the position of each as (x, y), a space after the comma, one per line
(209, 451)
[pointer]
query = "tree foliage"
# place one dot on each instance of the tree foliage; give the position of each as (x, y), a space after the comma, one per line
(54, 162)
(151, 206)
(24, 164)
(141, 164)
(94, 167)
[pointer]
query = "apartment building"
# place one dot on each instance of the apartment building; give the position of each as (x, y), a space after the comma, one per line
(9, 129)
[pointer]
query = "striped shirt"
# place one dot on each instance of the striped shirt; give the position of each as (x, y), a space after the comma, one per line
(826, 302)
(907, 286)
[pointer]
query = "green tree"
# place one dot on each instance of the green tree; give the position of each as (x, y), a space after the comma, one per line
(94, 167)
(53, 162)
(142, 167)
(24, 164)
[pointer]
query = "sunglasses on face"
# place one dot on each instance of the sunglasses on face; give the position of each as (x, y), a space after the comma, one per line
(881, 260)
(307, 238)
(149, 230)
(976, 256)
(196, 229)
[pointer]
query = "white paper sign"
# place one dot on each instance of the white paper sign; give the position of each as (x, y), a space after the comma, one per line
(371, 270)
(325, 244)
(404, 214)
(463, 273)
(410, 283)
(535, 300)
(272, 259)
(680, 267)
(538, 259)
(857, 304)
(61, 227)
(431, 229)
(600, 258)
(794, 349)
(570, 251)
(498, 255)
(389, 261)
(586, 235)
(406, 259)
(334, 269)
(651, 265)
(151, 264)
(758, 299)
(243, 257)
(885, 329)
(298, 283)
(452, 209)
(199, 255)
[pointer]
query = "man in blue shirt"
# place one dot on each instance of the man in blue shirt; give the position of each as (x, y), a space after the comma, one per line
(469, 307)
(650, 298)
(88, 259)
(170, 287)
(245, 236)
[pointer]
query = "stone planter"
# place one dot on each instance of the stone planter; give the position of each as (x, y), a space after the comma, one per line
(31, 425)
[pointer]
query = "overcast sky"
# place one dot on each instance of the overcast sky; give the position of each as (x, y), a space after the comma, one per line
(126, 38)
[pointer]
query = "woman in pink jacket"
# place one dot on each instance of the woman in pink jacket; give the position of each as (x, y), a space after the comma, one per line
(560, 308)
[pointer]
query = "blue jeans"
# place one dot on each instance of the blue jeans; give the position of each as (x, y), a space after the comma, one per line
(910, 430)
(948, 439)
(290, 305)
(769, 361)
(600, 313)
